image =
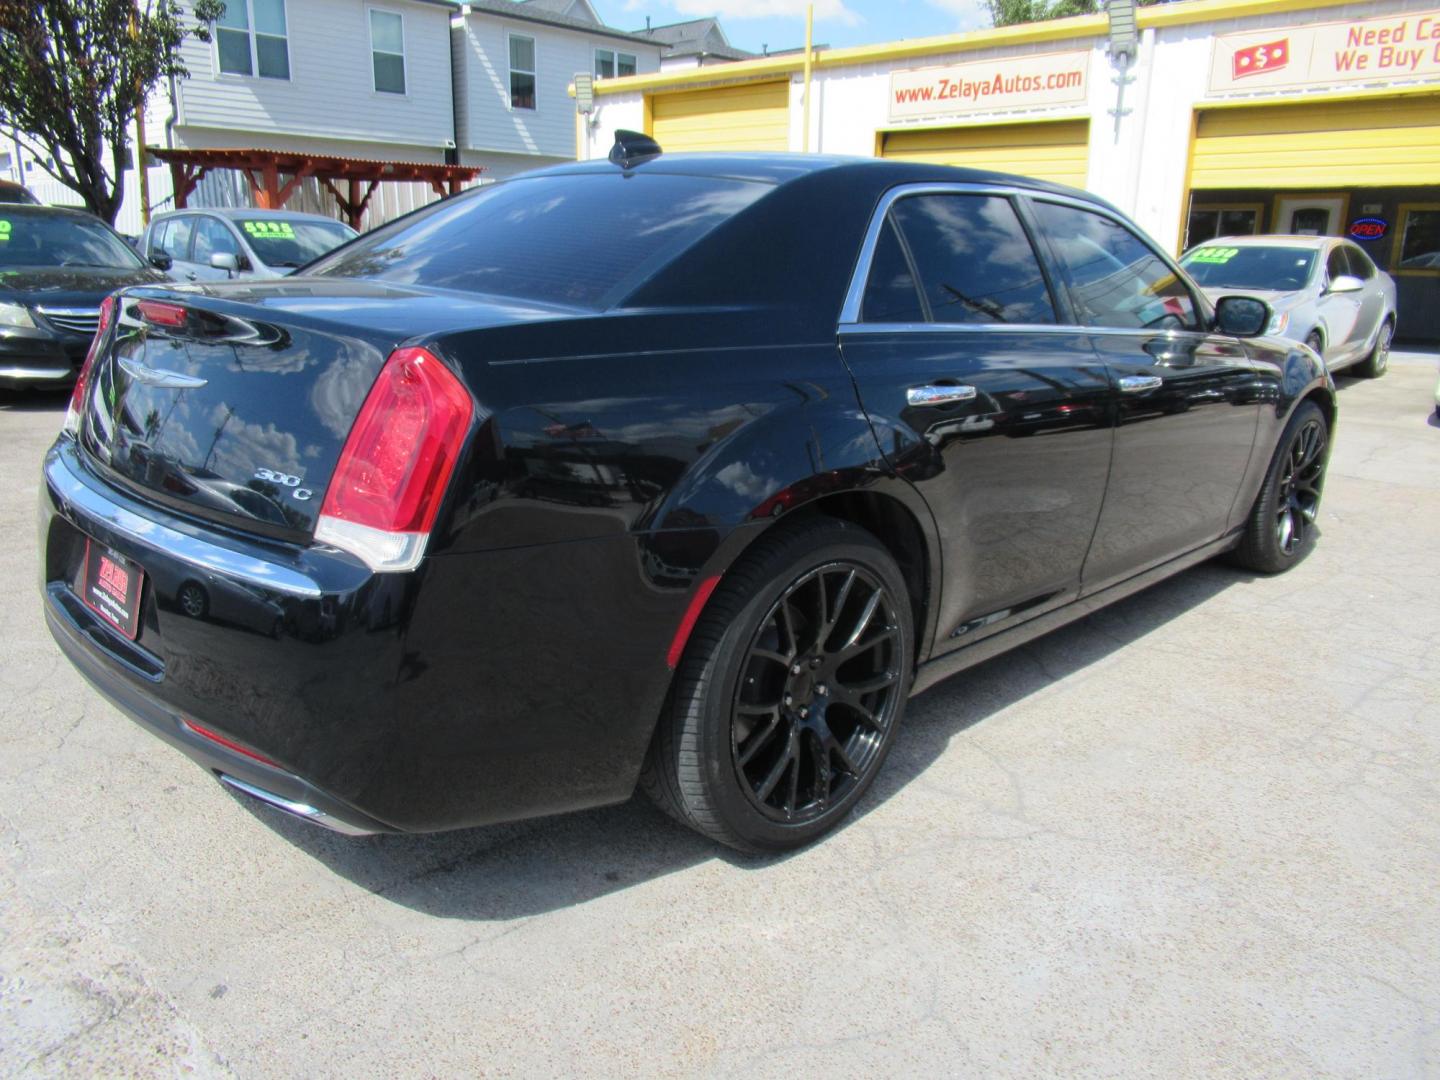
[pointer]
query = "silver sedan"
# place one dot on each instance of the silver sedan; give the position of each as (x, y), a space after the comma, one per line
(1324, 291)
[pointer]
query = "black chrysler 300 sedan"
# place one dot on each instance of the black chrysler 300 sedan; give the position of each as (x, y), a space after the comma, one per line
(683, 471)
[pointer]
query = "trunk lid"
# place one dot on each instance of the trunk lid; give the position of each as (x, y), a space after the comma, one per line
(239, 414)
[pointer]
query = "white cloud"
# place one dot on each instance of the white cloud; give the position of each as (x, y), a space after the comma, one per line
(969, 14)
(825, 10)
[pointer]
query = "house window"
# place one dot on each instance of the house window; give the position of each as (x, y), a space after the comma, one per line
(609, 63)
(387, 51)
(250, 39)
(522, 72)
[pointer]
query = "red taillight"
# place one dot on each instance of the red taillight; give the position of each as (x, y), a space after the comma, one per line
(229, 744)
(82, 380)
(391, 477)
(161, 314)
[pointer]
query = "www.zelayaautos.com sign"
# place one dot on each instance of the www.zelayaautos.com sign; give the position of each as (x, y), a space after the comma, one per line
(1020, 82)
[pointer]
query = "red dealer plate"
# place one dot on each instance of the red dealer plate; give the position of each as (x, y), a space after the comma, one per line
(110, 586)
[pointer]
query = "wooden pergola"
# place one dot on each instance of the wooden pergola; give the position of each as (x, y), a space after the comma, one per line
(263, 169)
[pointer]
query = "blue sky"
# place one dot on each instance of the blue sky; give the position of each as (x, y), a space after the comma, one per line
(780, 24)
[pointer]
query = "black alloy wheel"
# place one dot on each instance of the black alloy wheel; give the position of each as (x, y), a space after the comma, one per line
(819, 689)
(1281, 528)
(1301, 476)
(790, 691)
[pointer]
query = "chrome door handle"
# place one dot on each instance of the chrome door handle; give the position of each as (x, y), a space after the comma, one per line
(1138, 384)
(939, 394)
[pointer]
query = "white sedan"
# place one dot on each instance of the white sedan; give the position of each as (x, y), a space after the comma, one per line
(1324, 291)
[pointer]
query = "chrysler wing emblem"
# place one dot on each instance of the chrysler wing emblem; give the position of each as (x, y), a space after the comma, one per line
(150, 376)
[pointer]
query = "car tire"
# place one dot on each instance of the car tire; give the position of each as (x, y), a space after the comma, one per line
(790, 691)
(1316, 342)
(1376, 364)
(1281, 527)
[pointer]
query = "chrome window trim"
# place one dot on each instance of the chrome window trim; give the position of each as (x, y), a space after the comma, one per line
(850, 321)
(850, 310)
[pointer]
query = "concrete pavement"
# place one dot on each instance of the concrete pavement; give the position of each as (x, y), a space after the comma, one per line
(1196, 834)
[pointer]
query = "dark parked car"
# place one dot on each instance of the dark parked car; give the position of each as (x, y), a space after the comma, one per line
(681, 471)
(55, 268)
(11, 192)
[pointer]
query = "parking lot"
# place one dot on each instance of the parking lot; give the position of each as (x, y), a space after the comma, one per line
(1196, 833)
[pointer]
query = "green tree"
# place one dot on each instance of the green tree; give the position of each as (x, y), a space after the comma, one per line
(74, 72)
(1010, 12)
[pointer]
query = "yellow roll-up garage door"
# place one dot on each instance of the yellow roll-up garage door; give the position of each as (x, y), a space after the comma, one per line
(1055, 150)
(1372, 142)
(755, 116)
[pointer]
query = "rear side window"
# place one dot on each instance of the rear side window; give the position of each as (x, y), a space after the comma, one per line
(586, 240)
(890, 294)
(1115, 278)
(178, 246)
(974, 261)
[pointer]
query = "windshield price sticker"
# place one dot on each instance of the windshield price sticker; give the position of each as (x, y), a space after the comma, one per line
(269, 230)
(4, 231)
(1214, 255)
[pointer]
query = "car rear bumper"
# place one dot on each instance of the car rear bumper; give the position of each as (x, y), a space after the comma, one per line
(483, 687)
(82, 639)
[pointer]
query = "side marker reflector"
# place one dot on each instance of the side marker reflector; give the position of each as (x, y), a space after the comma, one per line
(687, 624)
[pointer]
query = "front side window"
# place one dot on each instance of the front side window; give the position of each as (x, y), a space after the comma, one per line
(973, 259)
(1115, 278)
(1360, 264)
(250, 39)
(1336, 264)
(522, 72)
(213, 238)
(387, 51)
(609, 63)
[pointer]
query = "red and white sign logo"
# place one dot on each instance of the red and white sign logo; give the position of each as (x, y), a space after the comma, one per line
(1258, 59)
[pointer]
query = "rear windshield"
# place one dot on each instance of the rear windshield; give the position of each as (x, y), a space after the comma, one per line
(293, 243)
(582, 240)
(55, 240)
(1222, 267)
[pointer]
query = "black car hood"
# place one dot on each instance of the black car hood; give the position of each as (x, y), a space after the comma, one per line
(70, 286)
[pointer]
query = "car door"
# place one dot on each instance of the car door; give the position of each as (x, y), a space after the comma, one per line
(1186, 400)
(1371, 297)
(1339, 311)
(982, 396)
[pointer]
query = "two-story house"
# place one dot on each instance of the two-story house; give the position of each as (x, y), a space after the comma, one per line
(513, 65)
(354, 78)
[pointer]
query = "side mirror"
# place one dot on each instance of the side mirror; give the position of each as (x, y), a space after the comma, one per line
(1345, 283)
(225, 260)
(1241, 316)
(160, 260)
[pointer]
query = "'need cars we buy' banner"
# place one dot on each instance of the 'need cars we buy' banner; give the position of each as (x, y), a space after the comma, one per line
(1401, 46)
(1020, 82)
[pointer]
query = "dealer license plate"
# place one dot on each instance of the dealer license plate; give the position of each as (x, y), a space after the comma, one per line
(110, 585)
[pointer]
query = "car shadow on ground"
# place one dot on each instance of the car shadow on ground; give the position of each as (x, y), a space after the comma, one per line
(515, 871)
(26, 401)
